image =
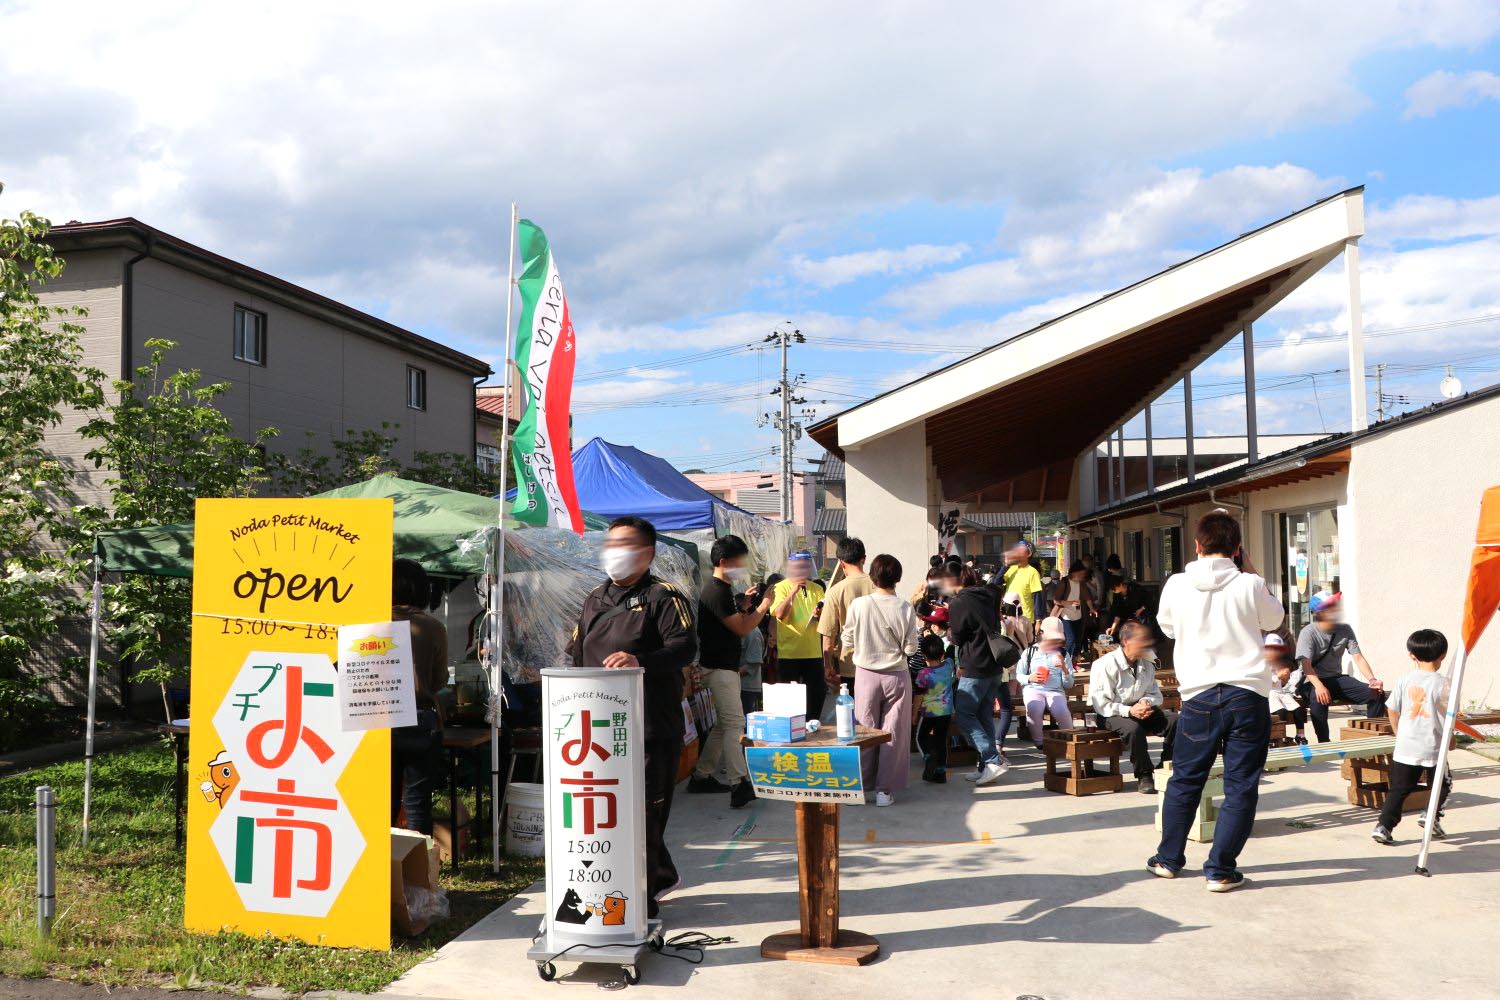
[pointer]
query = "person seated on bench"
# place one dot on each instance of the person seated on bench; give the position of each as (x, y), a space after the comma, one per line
(1286, 679)
(1320, 651)
(1046, 672)
(1125, 696)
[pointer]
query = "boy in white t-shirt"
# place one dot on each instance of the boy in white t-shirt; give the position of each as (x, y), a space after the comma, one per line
(1417, 705)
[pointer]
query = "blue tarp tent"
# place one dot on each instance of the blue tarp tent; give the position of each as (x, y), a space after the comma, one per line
(616, 479)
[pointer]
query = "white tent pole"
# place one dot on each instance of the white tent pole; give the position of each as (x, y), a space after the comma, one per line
(1449, 723)
(497, 590)
(88, 733)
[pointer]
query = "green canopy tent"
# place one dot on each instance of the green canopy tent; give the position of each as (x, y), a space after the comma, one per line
(430, 522)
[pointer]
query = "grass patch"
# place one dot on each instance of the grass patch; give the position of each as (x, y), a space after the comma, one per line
(119, 904)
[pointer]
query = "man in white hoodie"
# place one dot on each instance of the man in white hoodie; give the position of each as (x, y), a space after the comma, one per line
(1217, 612)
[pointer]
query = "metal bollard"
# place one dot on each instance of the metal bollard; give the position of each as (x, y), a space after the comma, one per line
(46, 861)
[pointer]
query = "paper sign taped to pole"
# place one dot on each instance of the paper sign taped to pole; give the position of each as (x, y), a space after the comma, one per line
(375, 666)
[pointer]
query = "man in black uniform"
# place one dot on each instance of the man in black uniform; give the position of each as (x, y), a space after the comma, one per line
(636, 620)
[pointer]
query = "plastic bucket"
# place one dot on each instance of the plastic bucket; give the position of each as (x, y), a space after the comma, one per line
(525, 829)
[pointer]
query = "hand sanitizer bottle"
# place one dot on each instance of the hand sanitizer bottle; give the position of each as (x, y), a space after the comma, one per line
(844, 714)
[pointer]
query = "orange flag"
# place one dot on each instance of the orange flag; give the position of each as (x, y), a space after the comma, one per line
(1484, 571)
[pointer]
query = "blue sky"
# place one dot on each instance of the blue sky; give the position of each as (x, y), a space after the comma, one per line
(905, 185)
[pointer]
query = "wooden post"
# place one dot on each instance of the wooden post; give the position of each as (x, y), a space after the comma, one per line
(818, 872)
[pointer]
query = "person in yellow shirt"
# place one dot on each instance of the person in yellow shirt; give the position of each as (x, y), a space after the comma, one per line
(797, 604)
(1021, 578)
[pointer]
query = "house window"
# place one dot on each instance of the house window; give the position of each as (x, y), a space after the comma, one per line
(416, 388)
(249, 335)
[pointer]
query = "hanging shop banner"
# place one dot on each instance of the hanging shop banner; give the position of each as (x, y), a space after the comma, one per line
(806, 774)
(546, 352)
(379, 678)
(291, 834)
(596, 807)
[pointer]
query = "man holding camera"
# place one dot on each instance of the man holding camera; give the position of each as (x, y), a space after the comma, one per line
(722, 627)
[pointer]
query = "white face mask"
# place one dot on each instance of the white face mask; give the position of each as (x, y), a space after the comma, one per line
(621, 564)
(735, 574)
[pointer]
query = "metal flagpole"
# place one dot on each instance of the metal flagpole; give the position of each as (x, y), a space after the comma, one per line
(497, 589)
(1450, 721)
(88, 734)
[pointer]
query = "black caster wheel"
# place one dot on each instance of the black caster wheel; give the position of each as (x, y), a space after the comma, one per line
(547, 971)
(656, 943)
(632, 974)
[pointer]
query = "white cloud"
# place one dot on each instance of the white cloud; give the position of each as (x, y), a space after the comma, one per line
(1441, 90)
(830, 272)
(1431, 217)
(1128, 237)
(677, 163)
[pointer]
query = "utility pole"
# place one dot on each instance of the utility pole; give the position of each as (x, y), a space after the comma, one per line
(1379, 393)
(790, 429)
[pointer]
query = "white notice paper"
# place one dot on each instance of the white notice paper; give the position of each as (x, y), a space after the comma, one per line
(377, 680)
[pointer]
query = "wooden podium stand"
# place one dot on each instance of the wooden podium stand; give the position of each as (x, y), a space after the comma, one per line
(819, 938)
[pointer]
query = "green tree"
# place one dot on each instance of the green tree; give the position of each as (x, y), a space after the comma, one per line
(41, 376)
(353, 458)
(363, 454)
(165, 444)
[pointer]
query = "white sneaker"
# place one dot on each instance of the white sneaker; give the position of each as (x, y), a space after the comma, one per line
(990, 774)
(883, 799)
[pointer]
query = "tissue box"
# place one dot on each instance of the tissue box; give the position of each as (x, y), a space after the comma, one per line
(768, 728)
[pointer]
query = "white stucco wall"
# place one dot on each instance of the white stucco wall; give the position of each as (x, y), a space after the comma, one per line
(891, 506)
(1416, 493)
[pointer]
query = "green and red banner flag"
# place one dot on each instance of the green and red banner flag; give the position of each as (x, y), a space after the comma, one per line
(545, 356)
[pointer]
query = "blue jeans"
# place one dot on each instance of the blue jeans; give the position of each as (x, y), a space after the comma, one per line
(1237, 723)
(1007, 710)
(1073, 633)
(974, 708)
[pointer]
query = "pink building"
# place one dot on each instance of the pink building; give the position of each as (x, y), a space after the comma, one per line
(760, 493)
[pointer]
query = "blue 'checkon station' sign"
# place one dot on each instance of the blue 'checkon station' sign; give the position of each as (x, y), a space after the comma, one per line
(806, 774)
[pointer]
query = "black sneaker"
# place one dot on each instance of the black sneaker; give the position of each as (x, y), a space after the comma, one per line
(1438, 833)
(742, 794)
(1381, 835)
(1302, 741)
(698, 785)
(1146, 785)
(936, 777)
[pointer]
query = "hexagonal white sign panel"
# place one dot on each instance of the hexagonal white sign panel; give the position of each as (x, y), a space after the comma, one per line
(284, 834)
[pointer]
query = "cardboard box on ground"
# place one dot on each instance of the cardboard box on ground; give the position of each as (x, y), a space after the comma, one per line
(416, 899)
(442, 834)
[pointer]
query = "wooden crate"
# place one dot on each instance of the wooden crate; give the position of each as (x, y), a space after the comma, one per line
(1372, 796)
(1080, 747)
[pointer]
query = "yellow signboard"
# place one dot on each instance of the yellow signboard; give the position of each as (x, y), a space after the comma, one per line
(288, 815)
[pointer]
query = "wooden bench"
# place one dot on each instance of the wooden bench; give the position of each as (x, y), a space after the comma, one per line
(1080, 747)
(1279, 759)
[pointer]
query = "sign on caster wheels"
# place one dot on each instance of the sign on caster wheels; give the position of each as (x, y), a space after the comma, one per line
(547, 971)
(631, 973)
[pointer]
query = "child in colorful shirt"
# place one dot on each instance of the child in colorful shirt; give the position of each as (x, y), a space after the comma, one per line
(934, 683)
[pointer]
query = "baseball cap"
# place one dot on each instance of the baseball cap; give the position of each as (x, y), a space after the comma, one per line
(1323, 600)
(1274, 641)
(938, 614)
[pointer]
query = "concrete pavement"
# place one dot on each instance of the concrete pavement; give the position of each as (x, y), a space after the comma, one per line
(1011, 890)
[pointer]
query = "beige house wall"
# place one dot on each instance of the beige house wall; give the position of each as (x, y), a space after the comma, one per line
(890, 491)
(93, 282)
(319, 379)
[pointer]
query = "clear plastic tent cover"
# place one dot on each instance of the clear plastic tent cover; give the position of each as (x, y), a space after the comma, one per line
(548, 573)
(770, 541)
